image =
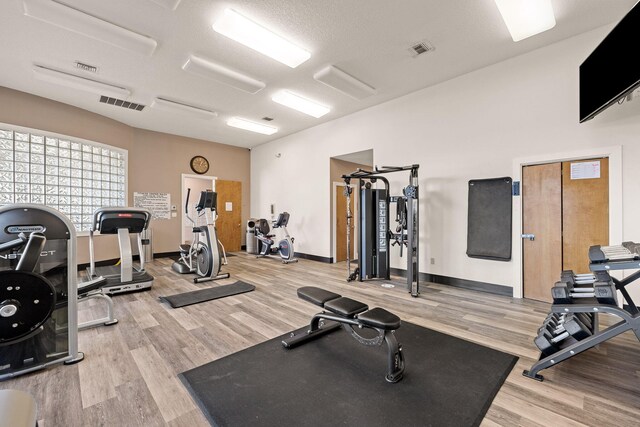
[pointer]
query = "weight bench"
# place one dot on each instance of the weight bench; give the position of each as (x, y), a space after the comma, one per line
(349, 313)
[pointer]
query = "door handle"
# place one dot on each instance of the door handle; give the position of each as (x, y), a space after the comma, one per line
(531, 237)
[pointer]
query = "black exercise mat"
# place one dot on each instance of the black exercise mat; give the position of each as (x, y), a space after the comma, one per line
(334, 380)
(208, 294)
(489, 219)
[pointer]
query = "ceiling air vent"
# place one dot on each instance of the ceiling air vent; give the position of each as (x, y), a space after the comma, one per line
(121, 103)
(86, 67)
(268, 119)
(421, 47)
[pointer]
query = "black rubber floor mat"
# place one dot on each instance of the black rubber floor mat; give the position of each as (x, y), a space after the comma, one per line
(208, 294)
(334, 380)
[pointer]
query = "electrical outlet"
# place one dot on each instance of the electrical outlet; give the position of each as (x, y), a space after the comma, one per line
(433, 261)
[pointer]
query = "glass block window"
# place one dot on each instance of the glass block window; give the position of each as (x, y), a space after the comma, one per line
(73, 176)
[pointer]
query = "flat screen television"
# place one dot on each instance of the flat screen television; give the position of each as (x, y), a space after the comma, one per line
(609, 72)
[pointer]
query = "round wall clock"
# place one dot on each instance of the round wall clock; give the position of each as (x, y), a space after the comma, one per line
(199, 164)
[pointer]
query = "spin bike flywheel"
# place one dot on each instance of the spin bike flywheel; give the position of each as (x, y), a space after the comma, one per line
(26, 303)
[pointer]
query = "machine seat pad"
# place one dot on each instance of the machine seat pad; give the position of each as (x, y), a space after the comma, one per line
(380, 318)
(315, 295)
(346, 307)
(185, 248)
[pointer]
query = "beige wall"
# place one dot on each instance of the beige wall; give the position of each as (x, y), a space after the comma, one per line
(156, 160)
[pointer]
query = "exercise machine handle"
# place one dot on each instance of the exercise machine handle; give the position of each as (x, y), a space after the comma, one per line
(16, 243)
(186, 203)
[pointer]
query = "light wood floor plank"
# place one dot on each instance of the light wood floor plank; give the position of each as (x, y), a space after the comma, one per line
(129, 377)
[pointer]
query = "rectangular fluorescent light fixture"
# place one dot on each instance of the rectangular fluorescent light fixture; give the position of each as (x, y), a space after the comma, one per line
(343, 82)
(256, 37)
(77, 82)
(297, 102)
(240, 123)
(526, 18)
(74, 20)
(169, 4)
(209, 69)
(179, 107)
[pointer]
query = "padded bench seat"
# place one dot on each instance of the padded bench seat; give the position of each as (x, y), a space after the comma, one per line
(380, 318)
(346, 307)
(352, 315)
(316, 296)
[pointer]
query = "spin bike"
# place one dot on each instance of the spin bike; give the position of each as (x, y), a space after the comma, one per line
(205, 256)
(265, 243)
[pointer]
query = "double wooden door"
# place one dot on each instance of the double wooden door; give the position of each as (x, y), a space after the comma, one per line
(565, 211)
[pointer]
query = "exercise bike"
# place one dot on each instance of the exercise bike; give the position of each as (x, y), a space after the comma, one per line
(265, 243)
(202, 257)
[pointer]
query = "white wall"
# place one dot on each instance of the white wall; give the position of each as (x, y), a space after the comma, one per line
(473, 126)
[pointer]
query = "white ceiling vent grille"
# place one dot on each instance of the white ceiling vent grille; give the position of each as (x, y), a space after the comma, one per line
(121, 103)
(421, 47)
(86, 67)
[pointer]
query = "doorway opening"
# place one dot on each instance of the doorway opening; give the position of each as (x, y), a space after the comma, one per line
(338, 166)
(196, 183)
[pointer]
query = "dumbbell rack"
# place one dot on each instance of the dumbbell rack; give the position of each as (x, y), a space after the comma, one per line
(629, 314)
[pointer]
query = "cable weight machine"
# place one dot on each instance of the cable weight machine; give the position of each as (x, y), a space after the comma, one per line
(374, 233)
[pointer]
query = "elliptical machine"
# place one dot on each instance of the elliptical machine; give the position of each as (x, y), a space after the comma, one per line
(265, 243)
(202, 256)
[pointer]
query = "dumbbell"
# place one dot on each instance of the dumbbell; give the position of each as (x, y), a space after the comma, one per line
(586, 319)
(552, 321)
(548, 341)
(577, 279)
(574, 326)
(604, 292)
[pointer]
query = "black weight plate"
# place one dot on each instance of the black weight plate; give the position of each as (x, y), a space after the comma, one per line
(26, 302)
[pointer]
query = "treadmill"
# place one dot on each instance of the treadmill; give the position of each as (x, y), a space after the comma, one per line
(122, 221)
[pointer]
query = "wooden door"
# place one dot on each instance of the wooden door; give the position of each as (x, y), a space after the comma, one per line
(341, 224)
(229, 223)
(585, 211)
(542, 217)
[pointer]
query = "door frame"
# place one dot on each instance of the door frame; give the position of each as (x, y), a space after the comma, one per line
(183, 194)
(334, 221)
(614, 153)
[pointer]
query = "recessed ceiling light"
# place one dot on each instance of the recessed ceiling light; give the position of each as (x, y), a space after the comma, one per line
(77, 82)
(180, 107)
(245, 124)
(255, 36)
(80, 22)
(209, 69)
(526, 18)
(343, 82)
(297, 102)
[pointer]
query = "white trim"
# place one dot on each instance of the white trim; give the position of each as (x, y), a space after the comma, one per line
(186, 236)
(614, 154)
(334, 245)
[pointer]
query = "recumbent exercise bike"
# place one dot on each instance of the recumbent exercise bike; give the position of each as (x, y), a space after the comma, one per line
(205, 256)
(265, 242)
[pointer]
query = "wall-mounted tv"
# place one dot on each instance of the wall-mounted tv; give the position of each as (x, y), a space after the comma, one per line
(610, 72)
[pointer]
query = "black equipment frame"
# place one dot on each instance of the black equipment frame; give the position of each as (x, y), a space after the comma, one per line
(630, 317)
(378, 266)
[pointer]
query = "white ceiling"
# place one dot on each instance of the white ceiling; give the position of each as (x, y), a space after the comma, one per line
(369, 39)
